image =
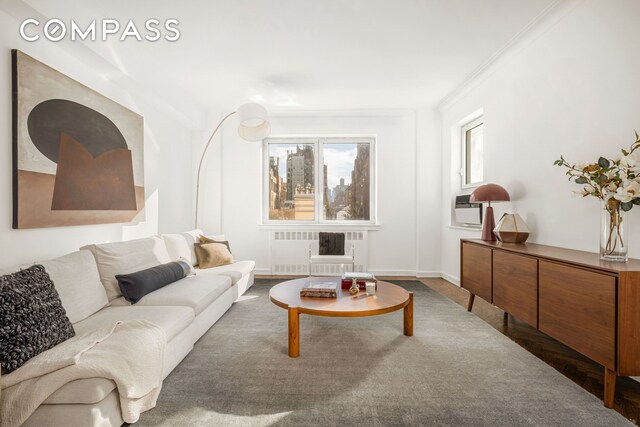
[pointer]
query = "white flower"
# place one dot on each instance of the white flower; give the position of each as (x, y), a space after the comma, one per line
(580, 193)
(628, 192)
(628, 162)
(606, 195)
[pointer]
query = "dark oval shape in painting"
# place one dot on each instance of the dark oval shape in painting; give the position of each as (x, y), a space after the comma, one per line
(93, 130)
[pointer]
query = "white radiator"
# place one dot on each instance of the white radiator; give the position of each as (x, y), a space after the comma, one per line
(290, 253)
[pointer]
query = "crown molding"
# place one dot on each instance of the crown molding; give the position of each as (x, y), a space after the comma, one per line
(542, 23)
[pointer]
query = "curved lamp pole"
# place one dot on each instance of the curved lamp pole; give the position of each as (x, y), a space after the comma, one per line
(253, 125)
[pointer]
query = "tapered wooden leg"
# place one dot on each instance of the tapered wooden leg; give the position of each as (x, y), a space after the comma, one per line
(408, 317)
(294, 332)
(609, 387)
(470, 303)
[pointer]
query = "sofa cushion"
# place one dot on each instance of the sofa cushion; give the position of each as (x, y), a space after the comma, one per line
(172, 320)
(9, 270)
(32, 318)
(76, 278)
(127, 257)
(244, 267)
(85, 391)
(77, 281)
(179, 245)
(136, 285)
(197, 292)
(235, 276)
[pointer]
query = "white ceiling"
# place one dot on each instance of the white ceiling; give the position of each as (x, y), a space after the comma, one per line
(308, 54)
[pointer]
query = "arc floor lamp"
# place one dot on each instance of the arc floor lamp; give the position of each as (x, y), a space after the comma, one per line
(253, 125)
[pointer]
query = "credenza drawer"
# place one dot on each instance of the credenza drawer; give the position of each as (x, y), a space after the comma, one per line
(578, 308)
(476, 270)
(515, 285)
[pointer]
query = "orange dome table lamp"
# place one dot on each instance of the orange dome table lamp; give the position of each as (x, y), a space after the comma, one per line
(488, 193)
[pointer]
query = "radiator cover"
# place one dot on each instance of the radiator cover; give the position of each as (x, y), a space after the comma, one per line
(289, 252)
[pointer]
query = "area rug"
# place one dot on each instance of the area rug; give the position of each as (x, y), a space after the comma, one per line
(455, 371)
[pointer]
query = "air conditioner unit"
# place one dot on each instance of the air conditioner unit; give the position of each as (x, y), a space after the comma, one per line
(467, 213)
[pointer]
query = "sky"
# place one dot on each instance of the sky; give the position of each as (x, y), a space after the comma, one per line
(339, 159)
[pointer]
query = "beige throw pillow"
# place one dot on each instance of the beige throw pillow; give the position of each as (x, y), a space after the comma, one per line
(212, 255)
(214, 239)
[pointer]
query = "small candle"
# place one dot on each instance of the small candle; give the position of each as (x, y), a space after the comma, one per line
(371, 288)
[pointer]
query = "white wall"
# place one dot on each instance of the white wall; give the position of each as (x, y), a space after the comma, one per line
(167, 157)
(408, 174)
(572, 89)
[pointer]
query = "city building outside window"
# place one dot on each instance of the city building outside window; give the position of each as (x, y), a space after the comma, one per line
(472, 153)
(319, 180)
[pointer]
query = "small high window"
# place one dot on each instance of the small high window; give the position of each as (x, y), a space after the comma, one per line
(472, 152)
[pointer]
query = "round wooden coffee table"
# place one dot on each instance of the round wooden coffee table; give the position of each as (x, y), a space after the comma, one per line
(388, 298)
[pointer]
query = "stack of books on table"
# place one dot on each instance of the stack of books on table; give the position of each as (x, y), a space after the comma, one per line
(322, 290)
(361, 280)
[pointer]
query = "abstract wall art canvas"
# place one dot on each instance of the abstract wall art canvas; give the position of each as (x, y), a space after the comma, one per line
(77, 155)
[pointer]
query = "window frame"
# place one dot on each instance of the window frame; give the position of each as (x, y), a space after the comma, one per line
(319, 141)
(478, 121)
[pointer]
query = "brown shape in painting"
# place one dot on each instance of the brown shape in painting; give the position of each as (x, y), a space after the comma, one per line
(86, 183)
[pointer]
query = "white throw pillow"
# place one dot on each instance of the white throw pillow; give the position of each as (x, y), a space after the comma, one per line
(192, 237)
(127, 257)
(76, 278)
(178, 246)
(194, 233)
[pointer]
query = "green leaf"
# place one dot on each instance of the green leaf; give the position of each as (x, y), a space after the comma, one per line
(603, 163)
(603, 178)
(625, 152)
(626, 206)
(581, 180)
(636, 201)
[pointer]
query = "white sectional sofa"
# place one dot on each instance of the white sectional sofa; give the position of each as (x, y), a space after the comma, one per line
(185, 310)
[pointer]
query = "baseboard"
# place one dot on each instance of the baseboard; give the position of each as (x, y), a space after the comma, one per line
(400, 273)
(449, 278)
(403, 273)
(428, 274)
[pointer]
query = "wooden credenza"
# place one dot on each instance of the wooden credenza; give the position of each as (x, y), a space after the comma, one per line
(590, 305)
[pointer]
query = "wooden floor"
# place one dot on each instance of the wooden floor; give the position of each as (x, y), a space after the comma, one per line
(584, 372)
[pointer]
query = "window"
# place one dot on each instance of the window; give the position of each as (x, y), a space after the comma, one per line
(319, 179)
(472, 152)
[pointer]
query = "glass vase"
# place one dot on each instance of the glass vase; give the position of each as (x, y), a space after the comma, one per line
(613, 244)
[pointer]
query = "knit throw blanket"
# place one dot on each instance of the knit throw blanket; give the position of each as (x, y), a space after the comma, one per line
(130, 353)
